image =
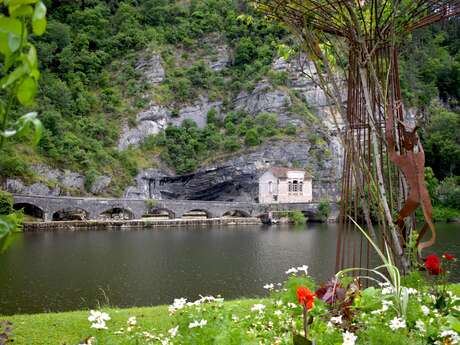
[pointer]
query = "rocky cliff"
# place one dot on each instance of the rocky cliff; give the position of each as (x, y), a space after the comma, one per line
(230, 177)
(235, 177)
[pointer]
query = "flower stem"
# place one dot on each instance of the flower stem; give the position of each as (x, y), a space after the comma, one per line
(305, 323)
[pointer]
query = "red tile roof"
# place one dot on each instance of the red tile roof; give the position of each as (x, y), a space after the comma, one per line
(282, 172)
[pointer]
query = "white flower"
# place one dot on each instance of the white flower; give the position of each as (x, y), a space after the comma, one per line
(173, 331)
(258, 307)
(411, 291)
(292, 270)
(420, 325)
(278, 313)
(269, 286)
(336, 319)
(386, 305)
(303, 268)
(235, 318)
(452, 335)
(200, 324)
(179, 303)
(165, 341)
(96, 316)
(425, 310)
(349, 338)
(397, 323)
(99, 325)
(279, 303)
(98, 319)
(132, 321)
(148, 335)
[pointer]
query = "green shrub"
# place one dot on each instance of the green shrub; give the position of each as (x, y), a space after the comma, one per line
(324, 209)
(290, 129)
(448, 192)
(231, 143)
(297, 217)
(245, 51)
(251, 138)
(6, 203)
(211, 117)
(267, 124)
(279, 78)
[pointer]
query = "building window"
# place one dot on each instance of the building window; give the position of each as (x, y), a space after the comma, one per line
(290, 186)
(270, 187)
(295, 186)
(301, 187)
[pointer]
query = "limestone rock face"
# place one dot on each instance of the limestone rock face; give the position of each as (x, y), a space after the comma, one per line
(236, 178)
(152, 68)
(148, 122)
(221, 59)
(264, 98)
(197, 112)
(60, 182)
(18, 187)
(100, 184)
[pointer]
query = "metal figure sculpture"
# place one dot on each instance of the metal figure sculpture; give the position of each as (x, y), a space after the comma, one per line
(412, 166)
(384, 164)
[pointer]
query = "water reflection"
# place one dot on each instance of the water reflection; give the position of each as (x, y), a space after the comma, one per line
(57, 271)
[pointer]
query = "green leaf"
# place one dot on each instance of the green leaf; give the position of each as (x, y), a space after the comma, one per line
(9, 28)
(27, 121)
(13, 76)
(21, 11)
(14, 42)
(32, 57)
(10, 25)
(39, 19)
(454, 323)
(26, 91)
(15, 3)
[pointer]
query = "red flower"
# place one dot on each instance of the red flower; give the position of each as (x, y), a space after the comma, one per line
(448, 257)
(433, 265)
(305, 297)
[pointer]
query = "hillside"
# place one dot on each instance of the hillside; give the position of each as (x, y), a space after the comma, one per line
(182, 99)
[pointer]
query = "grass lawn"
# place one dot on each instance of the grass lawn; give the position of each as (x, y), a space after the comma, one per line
(71, 327)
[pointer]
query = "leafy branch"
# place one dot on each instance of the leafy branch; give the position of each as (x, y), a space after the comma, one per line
(19, 82)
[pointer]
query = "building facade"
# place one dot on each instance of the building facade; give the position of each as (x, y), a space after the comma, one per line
(285, 185)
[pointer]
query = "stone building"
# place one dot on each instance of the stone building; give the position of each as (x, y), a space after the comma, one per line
(285, 185)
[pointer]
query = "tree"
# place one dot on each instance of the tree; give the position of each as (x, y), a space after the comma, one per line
(442, 143)
(19, 84)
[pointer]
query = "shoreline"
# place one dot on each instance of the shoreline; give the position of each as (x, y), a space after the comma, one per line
(81, 225)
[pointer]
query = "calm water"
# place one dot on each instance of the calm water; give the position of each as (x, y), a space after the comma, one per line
(73, 270)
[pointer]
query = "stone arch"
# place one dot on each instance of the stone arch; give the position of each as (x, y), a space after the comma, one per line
(30, 210)
(160, 212)
(236, 214)
(70, 213)
(197, 213)
(118, 213)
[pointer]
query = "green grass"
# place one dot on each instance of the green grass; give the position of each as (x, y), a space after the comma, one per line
(70, 327)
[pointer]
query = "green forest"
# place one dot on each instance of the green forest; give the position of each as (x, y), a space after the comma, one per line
(89, 86)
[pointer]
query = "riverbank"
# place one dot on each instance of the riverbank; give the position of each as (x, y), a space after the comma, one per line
(72, 327)
(135, 224)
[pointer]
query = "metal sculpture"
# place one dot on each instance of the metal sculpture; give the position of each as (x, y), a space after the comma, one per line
(384, 160)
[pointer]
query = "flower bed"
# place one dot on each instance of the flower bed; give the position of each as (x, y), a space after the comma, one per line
(341, 311)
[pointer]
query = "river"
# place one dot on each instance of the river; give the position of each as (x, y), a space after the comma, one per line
(59, 271)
